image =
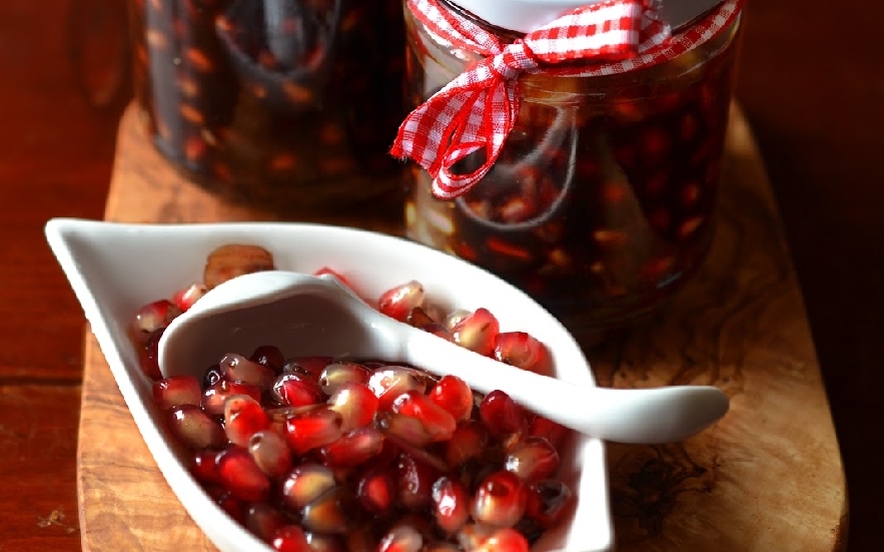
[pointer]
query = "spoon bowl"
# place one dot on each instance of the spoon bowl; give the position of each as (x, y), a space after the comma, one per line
(318, 315)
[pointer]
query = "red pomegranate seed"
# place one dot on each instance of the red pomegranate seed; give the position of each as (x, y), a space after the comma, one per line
(241, 475)
(398, 302)
(325, 543)
(296, 389)
(204, 466)
(234, 507)
(477, 331)
(263, 520)
(469, 442)
(312, 366)
(243, 417)
(343, 279)
(290, 538)
(451, 504)
(353, 448)
(194, 429)
(376, 490)
(415, 482)
(548, 502)
(505, 539)
(501, 414)
(407, 429)
(271, 452)
(175, 391)
(214, 396)
(532, 459)
(522, 350)
(313, 429)
(420, 318)
(337, 374)
(438, 424)
(148, 356)
(269, 356)
(329, 513)
(355, 403)
(238, 368)
(390, 382)
(185, 298)
(305, 483)
(152, 317)
(555, 433)
(499, 500)
(401, 538)
(454, 396)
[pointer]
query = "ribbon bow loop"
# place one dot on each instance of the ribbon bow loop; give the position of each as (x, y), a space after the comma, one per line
(477, 110)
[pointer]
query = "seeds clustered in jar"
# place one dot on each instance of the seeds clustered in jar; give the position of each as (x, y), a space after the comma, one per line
(602, 201)
(284, 104)
(338, 454)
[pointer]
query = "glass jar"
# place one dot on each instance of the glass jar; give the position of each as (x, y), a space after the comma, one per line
(284, 103)
(602, 200)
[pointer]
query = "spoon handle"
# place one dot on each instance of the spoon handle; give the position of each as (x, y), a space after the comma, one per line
(647, 416)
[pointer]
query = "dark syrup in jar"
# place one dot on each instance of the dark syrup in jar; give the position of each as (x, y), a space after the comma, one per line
(603, 199)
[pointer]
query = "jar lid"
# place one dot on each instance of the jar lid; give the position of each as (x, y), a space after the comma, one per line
(526, 15)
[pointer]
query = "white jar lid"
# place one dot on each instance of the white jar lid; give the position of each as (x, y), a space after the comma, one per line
(526, 15)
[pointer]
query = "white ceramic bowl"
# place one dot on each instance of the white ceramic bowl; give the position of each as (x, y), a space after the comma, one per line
(116, 268)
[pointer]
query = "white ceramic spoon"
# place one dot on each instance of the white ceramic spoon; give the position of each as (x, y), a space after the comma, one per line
(317, 315)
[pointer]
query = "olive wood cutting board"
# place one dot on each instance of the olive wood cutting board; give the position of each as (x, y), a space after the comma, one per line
(767, 477)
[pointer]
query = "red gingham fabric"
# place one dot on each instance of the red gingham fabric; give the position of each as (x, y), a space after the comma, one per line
(477, 110)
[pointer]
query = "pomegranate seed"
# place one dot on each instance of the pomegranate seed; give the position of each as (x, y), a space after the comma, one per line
(454, 318)
(204, 466)
(238, 368)
(152, 317)
(185, 298)
(269, 356)
(325, 543)
(532, 459)
(232, 260)
(398, 302)
(241, 475)
(214, 396)
(415, 482)
(477, 331)
(554, 433)
(311, 366)
(505, 539)
(329, 513)
(343, 279)
(451, 504)
(390, 382)
(454, 396)
(148, 356)
(212, 375)
(407, 429)
(271, 452)
(355, 403)
(264, 520)
(313, 429)
(523, 351)
(290, 538)
(353, 448)
(234, 507)
(376, 490)
(469, 442)
(243, 417)
(401, 538)
(548, 502)
(437, 423)
(194, 429)
(305, 483)
(175, 391)
(296, 389)
(501, 414)
(419, 318)
(500, 500)
(336, 374)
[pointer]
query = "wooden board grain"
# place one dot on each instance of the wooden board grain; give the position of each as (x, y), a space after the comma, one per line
(767, 477)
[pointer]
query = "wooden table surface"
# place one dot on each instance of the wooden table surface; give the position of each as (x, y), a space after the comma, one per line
(811, 85)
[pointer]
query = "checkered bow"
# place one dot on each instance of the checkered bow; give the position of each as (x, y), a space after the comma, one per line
(477, 110)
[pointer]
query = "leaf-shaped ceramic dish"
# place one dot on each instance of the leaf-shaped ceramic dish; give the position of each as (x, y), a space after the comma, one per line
(116, 268)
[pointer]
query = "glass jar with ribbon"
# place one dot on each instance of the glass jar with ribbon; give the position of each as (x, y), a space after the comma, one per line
(288, 104)
(572, 147)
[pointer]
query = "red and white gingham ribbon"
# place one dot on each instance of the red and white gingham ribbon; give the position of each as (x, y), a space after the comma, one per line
(477, 110)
